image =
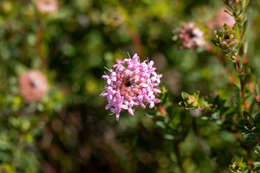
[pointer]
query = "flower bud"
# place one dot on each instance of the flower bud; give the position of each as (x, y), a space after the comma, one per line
(33, 86)
(47, 6)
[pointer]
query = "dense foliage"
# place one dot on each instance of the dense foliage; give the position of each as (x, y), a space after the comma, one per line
(208, 119)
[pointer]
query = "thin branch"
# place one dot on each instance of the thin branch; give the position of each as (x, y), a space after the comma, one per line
(249, 82)
(178, 156)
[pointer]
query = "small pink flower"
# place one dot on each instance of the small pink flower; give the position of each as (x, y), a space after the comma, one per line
(33, 86)
(191, 36)
(130, 83)
(47, 6)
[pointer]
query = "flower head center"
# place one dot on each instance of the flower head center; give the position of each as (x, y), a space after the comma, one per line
(190, 33)
(128, 82)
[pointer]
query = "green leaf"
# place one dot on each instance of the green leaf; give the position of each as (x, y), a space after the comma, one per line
(245, 25)
(168, 136)
(160, 124)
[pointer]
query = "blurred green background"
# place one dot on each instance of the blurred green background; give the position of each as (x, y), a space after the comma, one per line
(69, 130)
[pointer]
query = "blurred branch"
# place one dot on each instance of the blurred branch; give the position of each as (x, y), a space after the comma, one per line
(38, 44)
(136, 41)
(178, 156)
(201, 143)
(39, 33)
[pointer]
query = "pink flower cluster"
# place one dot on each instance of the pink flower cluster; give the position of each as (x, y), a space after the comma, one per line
(191, 36)
(131, 83)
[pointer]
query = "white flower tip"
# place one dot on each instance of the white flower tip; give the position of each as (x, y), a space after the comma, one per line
(103, 94)
(151, 105)
(151, 63)
(135, 57)
(131, 112)
(117, 116)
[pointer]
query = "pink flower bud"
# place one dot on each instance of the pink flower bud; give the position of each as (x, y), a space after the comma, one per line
(191, 36)
(47, 6)
(33, 86)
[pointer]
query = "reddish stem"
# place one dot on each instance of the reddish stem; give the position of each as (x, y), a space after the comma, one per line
(242, 85)
(231, 76)
(38, 44)
(252, 90)
(249, 83)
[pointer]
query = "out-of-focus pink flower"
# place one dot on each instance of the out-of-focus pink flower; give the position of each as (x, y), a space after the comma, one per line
(131, 83)
(222, 18)
(191, 36)
(33, 86)
(47, 6)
